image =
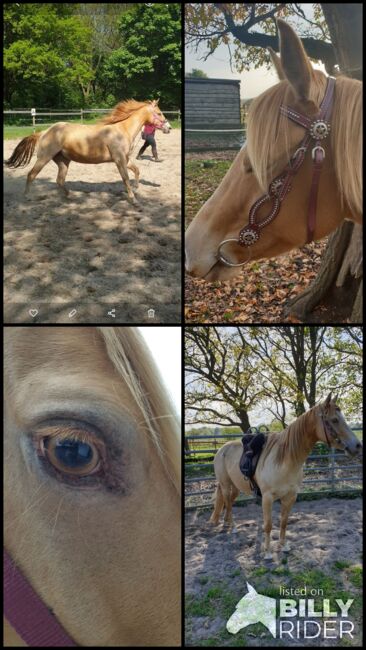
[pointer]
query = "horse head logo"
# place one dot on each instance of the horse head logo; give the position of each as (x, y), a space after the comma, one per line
(253, 608)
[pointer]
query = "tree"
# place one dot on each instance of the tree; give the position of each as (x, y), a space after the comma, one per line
(250, 29)
(148, 65)
(232, 372)
(219, 386)
(47, 55)
(195, 73)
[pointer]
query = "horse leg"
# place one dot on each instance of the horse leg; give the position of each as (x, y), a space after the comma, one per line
(63, 166)
(228, 501)
(286, 505)
(39, 164)
(234, 493)
(135, 170)
(219, 504)
(121, 162)
(267, 502)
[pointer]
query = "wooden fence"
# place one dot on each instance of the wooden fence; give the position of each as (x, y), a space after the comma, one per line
(332, 468)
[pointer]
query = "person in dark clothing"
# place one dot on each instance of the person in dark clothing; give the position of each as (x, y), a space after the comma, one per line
(148, 134)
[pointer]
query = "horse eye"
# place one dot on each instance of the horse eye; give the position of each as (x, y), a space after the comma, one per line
(71, 456)
(335, 420)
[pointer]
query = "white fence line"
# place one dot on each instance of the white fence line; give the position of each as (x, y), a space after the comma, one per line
(214, 130)
(32, 112)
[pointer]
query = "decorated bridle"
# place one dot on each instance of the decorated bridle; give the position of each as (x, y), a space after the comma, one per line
(317, 129)
(330, 432)
(27, 614)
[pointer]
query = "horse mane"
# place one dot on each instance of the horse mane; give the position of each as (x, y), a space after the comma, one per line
(269, 134)
(289, 443)
(133, 362)
(122, 111)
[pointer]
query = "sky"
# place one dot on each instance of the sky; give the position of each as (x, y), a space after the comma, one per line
(165, 346)
(254, 82)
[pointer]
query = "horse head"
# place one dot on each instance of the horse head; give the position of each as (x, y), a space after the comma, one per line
(256, 199)
(333, 428)
(253, 608)
(157, 118)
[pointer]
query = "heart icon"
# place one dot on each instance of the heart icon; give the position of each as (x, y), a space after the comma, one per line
(33, 312)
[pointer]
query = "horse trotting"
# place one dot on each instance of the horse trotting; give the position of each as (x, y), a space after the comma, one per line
(279, 471)
(110, 140)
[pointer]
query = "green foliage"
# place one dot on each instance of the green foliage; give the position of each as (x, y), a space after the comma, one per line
(196, 73)
(79, 55)
(148, 64)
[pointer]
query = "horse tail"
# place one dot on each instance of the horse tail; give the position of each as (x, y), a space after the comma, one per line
(23, 152)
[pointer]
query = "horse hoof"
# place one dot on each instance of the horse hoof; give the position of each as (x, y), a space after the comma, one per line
(268, 556)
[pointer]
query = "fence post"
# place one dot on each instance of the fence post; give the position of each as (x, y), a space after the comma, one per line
(332, 469)
(81, 115)
(33, 114)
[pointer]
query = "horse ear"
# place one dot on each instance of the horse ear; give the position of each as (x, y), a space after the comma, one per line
(327, 401)
(277, 63)
(251, 589)
(157, 101)
(336, 398)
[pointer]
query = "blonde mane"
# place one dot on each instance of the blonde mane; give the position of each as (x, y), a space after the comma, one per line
(269, 134)
(133, 362)
(289, 443)
(122, 111)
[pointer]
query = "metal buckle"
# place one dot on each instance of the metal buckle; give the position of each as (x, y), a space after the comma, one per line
(315, 148)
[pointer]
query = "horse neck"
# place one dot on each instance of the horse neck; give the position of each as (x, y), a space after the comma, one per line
(306, 436)
(310, 436)
(135, 122)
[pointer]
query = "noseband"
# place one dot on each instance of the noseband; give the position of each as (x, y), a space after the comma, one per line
(317, 129)
(27, 614)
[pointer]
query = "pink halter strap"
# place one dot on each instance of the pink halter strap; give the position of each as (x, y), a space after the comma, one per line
(27, 613)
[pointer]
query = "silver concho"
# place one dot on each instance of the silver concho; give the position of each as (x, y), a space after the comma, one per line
(276, 186)
(319, 129)
(248, 236)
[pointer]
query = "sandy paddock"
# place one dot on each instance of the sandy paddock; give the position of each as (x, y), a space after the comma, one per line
(321, 533)
(93, 250)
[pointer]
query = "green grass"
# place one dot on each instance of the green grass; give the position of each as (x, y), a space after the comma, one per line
(14, 132)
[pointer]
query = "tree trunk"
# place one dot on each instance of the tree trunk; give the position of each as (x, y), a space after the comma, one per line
(337, 290)
(244, 420)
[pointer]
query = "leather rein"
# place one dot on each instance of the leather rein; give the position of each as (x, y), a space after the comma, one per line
(317, 129)
(32, 620)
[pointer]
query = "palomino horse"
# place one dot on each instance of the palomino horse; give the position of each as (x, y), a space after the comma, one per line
(280, 467)
(92, 486)
(247, 197)
(110, 140)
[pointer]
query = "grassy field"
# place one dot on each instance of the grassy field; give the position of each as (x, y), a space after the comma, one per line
(200, 183)
(14, 132)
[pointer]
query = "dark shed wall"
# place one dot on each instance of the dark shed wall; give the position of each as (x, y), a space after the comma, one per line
(212, 103)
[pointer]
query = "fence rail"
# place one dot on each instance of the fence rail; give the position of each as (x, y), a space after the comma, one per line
(81, 113)
(334, 474)
(202, 139)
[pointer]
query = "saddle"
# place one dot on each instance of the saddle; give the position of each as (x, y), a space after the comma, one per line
(252, 449)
